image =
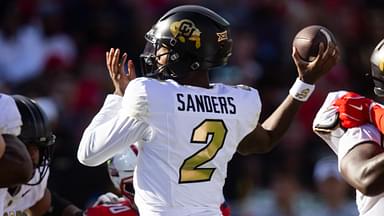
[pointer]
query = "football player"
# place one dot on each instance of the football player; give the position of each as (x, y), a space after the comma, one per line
(120, 170)
(15, 162)
(343, 123)
(37, 136)
(187, 128)
(33, 197)
(355, 109)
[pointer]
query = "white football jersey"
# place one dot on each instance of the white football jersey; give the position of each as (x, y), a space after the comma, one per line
(10, 119)
(3, 192)
(26, 197)
(342, 141)
(186, 137)
(10, 123)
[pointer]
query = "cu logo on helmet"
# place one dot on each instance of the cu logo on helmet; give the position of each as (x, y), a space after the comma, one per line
(185, 30)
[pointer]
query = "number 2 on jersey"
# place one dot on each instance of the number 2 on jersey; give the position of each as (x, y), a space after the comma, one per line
(210, 128)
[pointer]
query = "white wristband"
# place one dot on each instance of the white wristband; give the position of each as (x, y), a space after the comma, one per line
(301, 91)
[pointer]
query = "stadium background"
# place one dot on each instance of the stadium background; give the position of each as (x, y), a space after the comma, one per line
(54, 51)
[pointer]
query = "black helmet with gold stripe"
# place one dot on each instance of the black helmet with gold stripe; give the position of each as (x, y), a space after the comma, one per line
(194, 39)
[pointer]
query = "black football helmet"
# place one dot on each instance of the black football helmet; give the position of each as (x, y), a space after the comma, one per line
(36, 131)
(196, 39)
(377, 69)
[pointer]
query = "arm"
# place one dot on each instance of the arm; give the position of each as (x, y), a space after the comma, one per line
(62, 207)
(16, 164)
(363, 168)
(265, 136)
(42, 206)
(102, 142)
(111, 129)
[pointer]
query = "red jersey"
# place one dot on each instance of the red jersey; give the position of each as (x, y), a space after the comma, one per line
(125, 208)
(122, 208)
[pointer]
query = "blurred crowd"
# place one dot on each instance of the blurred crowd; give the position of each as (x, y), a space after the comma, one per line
(54, 51)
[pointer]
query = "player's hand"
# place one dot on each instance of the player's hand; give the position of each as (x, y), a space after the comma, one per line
(116, 69)
(310, 72)
(353, 110)
(107, 198)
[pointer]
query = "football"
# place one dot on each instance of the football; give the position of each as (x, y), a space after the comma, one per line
(307, 41)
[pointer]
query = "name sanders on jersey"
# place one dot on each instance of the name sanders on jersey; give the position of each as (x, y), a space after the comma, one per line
(205, 103)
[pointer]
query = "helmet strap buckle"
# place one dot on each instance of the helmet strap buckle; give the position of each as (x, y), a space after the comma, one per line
(173, 42)
(174, 56)
(195, 65)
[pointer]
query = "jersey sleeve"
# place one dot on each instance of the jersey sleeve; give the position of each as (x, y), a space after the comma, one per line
(357, 135)
(256, 106)
(326, 122)
(10, 119)
(135, 101)
(326, 118)
(117, 125)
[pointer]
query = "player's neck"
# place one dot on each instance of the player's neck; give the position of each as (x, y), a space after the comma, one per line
(195, 79)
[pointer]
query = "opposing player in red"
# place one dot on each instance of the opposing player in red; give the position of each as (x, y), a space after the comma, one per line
(120, 170)
(344, 122)
(355, 109)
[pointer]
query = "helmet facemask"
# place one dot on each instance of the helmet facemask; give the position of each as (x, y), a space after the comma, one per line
(45, 147)
(36, 132)
(158, 47)
(150, 61)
